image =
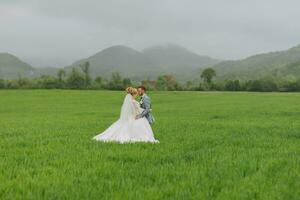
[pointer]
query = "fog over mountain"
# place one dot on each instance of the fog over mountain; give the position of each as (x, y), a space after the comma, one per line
(279, 64)
(166, 59)
(57, 32)
(150, 63)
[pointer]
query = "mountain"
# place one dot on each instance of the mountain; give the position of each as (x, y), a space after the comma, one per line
(167, 59)
(122, 59)
(12, 67)
(173, 57)
(290, 71)
(275, 63)
(149, 63)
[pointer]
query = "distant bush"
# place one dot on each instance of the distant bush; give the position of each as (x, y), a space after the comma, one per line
(149, 84)
(79, 78)
(261, 85)
(167, 82)
(233, 85)
(2, 83)
(115, 82)
(76, 80)
(47, 82)
(291, 86)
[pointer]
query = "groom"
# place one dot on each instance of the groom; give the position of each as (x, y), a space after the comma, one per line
(146, 105)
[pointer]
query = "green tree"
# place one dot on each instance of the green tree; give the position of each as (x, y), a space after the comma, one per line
(262, 85)
(105, 83)
(126, 82)
(22, 82)
(233, 85)
(98, 82)
(189, 86)
(61, 74)
(12, 84)
(149, 84)
(47, 82)
(2, 83)
(291, 86)
(167, 82)
(76, 80)
(269, 85)
(253, 85)
(208, 74)
(85, 67)
(115, 82)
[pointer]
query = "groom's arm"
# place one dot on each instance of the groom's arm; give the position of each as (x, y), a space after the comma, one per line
(147, 102)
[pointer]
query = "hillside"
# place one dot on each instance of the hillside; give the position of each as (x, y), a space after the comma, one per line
(178, 59)
(149, 63)
(12, 67)
(122, 59)
(166, 59)
(260, 65)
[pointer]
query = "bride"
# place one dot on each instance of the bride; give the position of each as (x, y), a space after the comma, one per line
(127, 128)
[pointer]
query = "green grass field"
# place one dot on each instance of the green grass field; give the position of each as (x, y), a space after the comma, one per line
(212, 146)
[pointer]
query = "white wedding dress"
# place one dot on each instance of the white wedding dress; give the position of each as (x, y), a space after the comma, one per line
(127, 128)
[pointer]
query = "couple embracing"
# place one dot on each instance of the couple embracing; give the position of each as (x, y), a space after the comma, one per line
(134, 122)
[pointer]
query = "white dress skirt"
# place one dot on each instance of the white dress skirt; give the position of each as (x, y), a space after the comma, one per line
(127, 128)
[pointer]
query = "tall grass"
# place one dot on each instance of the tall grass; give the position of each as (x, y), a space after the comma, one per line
(212, 146)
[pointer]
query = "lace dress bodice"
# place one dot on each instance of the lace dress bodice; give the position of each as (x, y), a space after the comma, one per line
(138, 109)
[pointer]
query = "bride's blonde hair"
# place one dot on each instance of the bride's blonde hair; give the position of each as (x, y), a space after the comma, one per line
(131, 90)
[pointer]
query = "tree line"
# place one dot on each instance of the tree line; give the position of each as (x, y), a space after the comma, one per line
(80, 78)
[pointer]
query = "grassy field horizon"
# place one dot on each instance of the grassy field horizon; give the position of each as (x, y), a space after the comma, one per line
(213, 145)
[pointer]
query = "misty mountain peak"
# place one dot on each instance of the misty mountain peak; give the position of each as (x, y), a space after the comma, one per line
(7, 56)
(11, 66)
(174, 57)
(9, 60)
(167, 48)
(118, 50)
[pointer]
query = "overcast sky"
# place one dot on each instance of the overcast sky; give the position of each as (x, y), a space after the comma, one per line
(59, 32)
